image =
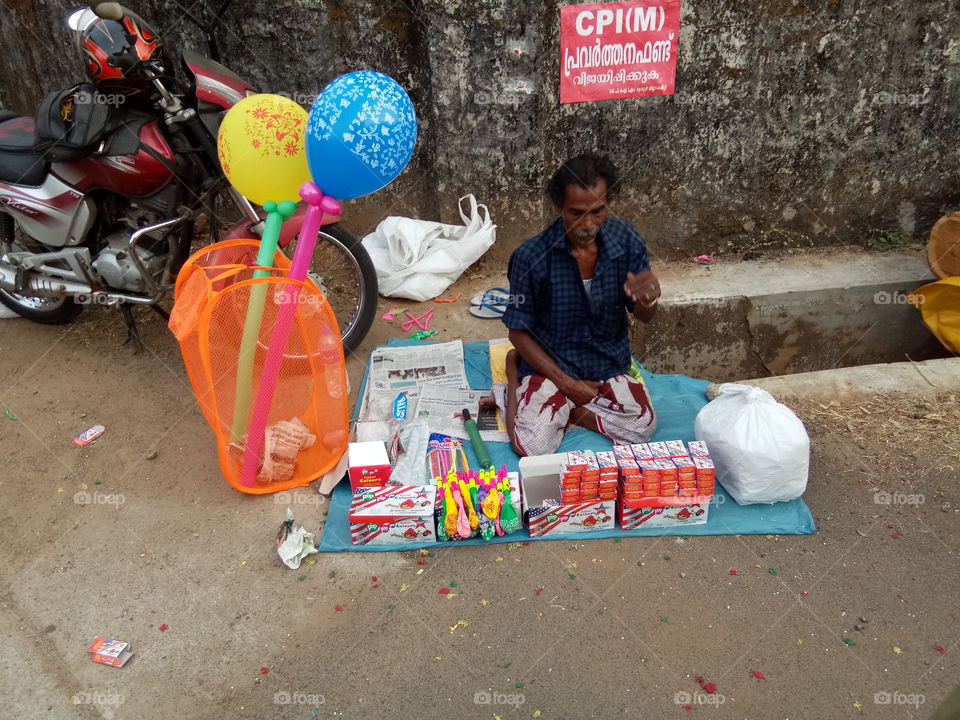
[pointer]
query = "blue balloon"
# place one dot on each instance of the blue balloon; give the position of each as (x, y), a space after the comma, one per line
(360, 134)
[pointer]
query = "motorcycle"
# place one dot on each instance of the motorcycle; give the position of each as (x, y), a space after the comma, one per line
(101, 192)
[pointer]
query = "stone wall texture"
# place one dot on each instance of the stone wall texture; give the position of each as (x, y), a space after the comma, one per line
(795, 123)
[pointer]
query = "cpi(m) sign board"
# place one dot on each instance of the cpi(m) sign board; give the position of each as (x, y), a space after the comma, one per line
(618, 50)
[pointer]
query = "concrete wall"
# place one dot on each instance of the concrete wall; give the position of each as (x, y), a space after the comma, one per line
(797, 122)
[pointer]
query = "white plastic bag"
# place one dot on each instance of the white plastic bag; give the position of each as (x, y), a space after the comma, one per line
(760, 448)
(419, 259)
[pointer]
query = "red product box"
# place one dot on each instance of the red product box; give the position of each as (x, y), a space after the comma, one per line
(569, 496)
(606, 460)
(686, 470)
(577, 460)
(698, 448)
(659, 450)
(628, 467)
(570, 480)
(649, 468)
(676, 448)
(592, 471)
(368, 464)
(641, 451)
(107, 651)
(668, 470)
(622, 452)
(705, 469)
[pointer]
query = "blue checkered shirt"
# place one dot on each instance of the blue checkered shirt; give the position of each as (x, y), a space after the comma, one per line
(586, 336)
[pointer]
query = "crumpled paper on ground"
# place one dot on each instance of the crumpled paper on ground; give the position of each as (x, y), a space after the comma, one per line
(294, 543)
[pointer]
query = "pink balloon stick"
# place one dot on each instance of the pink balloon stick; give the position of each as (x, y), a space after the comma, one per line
(318, 205)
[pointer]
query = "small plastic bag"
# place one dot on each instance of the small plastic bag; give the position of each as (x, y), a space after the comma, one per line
(760, 448)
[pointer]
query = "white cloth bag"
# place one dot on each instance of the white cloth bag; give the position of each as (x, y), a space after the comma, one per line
(760, 448)
(419, 259)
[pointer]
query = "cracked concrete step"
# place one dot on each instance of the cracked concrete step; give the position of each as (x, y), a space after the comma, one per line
(797, 313)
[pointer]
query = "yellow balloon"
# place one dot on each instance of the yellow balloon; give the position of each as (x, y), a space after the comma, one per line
(262, 149)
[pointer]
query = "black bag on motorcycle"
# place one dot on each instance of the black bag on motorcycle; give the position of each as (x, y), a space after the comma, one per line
(71, 123)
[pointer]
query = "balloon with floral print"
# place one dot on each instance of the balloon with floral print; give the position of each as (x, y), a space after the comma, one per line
(361, 133)
(262, 149)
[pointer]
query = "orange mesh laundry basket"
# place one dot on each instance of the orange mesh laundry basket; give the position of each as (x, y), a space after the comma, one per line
(210, 304)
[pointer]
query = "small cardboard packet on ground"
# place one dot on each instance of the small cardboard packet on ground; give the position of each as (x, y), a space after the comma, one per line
(107, 651)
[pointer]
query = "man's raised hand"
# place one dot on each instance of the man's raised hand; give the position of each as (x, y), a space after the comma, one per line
(643, 288)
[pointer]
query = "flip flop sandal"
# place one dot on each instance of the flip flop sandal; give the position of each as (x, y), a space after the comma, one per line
(487, 311)
(493, 296)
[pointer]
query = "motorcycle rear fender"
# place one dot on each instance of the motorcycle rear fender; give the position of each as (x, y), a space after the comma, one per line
(289, 230)
(215, 83)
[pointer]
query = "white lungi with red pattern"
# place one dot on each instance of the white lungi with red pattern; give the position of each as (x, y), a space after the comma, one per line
(623, 409)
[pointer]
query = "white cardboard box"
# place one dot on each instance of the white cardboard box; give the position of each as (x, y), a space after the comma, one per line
(660, 517)
(540, 485)
(392, 515)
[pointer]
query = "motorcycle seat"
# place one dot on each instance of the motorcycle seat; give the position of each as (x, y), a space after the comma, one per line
(19, 162)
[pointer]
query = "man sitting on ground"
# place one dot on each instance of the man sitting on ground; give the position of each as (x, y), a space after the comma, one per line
(570, 289)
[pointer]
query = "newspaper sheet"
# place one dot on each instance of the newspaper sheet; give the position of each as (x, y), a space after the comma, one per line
(442, 407)
(396, 371)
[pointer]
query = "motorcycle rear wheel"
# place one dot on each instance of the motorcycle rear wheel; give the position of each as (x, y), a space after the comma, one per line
(344, 273)
(46, 311)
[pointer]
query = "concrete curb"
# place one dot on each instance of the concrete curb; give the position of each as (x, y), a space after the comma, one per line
(915, 378)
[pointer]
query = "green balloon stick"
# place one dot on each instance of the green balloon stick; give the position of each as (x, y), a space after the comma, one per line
(483, 457)
(277, 214)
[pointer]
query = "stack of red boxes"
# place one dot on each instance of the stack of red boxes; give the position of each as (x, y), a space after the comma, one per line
(588, 477)
(705, 470)
(609, 475)
(664, 470)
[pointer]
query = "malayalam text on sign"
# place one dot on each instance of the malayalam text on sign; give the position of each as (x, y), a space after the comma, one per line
(618, 50)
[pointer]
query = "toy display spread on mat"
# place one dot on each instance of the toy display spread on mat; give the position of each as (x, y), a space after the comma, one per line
(661, 483)
(666, 487)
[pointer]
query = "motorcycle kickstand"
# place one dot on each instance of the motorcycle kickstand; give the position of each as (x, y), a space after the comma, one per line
(161, 312)
(133, 332)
